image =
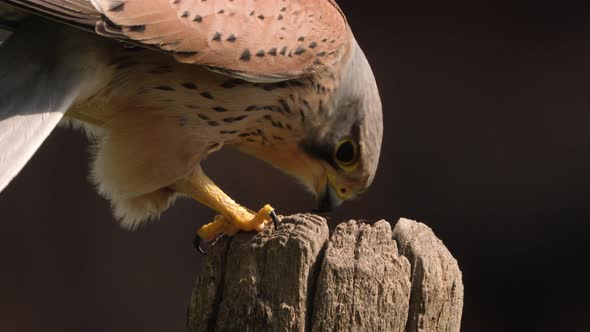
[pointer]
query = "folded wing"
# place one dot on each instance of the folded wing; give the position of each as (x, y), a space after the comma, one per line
(259, 40)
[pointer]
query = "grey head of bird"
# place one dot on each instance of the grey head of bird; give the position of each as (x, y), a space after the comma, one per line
(337, 157)
(349, 144)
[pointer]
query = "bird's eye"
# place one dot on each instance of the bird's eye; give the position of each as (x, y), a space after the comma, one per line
(346, 153)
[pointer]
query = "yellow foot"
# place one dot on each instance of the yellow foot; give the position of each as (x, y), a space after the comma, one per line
(243, 221)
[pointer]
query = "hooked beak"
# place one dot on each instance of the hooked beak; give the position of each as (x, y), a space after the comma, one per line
(328, 200)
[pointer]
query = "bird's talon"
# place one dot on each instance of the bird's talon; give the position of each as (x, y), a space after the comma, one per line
(275, 219)
(201, 250)
(212, 230)
(198, 243)
(224, 225)
(263, 216)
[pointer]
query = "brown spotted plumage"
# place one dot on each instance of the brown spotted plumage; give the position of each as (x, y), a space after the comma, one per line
(282, 80)
(261, 25)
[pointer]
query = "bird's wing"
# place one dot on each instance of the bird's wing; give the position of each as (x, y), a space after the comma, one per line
(34, 95)
(259, 40)
(79, 13)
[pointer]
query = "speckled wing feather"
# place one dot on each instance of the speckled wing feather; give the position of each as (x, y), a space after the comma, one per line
(258, 39)
(80, 13)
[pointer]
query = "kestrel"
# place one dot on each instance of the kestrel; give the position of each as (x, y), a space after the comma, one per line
(160, 84)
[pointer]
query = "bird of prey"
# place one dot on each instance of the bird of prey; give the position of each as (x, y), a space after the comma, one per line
(160, 84)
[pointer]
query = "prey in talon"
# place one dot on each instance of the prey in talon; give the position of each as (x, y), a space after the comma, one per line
(159, 85)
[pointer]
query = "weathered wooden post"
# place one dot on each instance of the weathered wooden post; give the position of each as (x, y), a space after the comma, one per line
(298, 278)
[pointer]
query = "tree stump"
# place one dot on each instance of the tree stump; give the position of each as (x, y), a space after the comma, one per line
(298, 278)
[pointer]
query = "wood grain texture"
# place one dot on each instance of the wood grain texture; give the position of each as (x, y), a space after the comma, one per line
(364, 284)
(364, 278)
(436, 301)
(260, 282)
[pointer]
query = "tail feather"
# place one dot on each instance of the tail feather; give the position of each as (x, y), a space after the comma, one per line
(36, 89)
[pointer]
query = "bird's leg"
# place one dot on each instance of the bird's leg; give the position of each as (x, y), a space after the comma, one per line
(234, 217)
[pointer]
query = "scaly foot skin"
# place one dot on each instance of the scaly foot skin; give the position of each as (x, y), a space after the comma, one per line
(243, 220)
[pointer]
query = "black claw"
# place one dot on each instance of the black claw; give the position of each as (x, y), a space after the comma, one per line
(198, 242)
(275, 219)
(201, 250)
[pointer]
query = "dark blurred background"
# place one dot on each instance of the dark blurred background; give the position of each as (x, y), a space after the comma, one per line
(487, 127)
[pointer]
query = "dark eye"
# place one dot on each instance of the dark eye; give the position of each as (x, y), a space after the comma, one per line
(346, 152)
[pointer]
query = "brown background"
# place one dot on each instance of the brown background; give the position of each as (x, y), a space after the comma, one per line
(486, 140)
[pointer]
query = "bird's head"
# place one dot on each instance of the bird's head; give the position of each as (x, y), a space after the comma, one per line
(337, 156)
(343, 153)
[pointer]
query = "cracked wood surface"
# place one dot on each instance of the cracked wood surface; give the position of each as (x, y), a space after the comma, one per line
(365, 277)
